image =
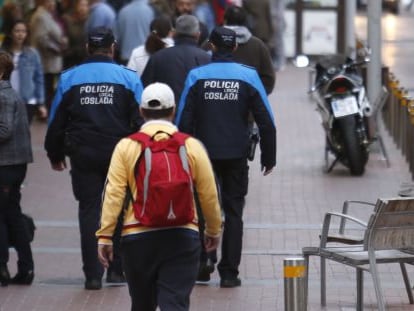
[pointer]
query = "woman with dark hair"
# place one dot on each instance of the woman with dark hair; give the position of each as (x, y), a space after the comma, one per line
(15, 153)
(160, 37)
(27, 76)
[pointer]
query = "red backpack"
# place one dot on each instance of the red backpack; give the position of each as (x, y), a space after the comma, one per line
(164, 182)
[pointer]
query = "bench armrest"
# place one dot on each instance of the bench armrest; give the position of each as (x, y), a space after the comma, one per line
(327, 223)
(345, 209)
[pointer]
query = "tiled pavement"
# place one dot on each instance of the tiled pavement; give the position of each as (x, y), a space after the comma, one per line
(283, 213)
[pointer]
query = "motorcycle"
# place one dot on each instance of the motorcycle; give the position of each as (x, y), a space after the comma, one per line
(345, 110)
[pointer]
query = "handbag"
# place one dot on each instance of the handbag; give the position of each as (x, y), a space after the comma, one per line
(29, 229)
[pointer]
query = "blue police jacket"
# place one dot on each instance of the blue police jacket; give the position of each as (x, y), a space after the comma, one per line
(215, 106)
(95, 105)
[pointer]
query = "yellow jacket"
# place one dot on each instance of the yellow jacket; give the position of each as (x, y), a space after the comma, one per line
(121, 175)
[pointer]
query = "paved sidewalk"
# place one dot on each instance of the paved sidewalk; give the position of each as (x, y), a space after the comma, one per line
(283, 213)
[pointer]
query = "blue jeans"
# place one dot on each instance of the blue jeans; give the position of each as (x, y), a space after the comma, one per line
(11, 223)
(161, 268)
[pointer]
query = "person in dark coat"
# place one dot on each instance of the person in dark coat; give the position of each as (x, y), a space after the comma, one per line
(250, 50)
(182, 7)
(172, 65)
(15, 154)
(261, 23)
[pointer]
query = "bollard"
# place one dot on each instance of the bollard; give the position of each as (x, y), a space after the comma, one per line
(295, 284)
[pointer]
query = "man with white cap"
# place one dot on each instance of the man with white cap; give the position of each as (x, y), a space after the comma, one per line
(160, 262)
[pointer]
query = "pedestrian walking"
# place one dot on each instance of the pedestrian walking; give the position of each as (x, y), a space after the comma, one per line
(117, 4)
(171, 66)
(15, 154)
(189, 7)
(205, 14)
(27, 77)
(94, 107)
(133, 27)
(219, 7)
(260, 19)
(250, 50)
(214, 106)
(101, 14)
(161, 263)
(47, 36)
(160, 37)
(162, 7)
(182, 7)
(74, 21)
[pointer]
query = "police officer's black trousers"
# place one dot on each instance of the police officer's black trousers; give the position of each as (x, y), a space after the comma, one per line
(88, 183)
(232, 176)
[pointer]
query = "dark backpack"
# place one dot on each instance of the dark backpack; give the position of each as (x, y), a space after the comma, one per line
(164, 182)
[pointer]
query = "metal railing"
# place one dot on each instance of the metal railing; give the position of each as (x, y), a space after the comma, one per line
(398, 117)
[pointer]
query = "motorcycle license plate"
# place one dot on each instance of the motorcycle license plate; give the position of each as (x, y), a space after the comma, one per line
(344, 106)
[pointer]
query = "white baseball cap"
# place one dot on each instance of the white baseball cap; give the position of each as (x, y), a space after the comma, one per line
(157, 96)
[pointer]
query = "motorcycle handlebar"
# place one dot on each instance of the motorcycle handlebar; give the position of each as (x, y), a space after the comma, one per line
(348, 66)
(354, 64)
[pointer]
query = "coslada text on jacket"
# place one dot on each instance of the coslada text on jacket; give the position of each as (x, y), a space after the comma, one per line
(221, 90)
(94, 94)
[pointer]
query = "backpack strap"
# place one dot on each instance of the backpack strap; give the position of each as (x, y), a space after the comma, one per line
(181, 138)
(142, 138)
(145, 140)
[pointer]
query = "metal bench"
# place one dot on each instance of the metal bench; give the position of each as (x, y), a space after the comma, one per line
(388, 237)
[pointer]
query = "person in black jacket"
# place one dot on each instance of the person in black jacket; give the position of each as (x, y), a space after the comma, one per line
(15, 154)
(96, 104)
(214, 107)
(171, 66)
(250, 50)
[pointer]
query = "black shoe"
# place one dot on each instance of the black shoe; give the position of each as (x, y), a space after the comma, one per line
(93, 284)
(23, 278)
(114, 277)
(210, 265)
(206, 268)
(4, 275)
(230, 283)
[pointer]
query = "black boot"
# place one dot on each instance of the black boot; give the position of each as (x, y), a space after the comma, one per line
(4, 275)
(204, 271)
(114, 277)
(23, 278)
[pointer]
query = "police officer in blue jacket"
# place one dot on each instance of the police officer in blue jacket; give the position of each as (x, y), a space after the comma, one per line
(95, 105)
(214, 107)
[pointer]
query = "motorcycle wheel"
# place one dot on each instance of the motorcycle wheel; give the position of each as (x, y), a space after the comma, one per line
(354, 154)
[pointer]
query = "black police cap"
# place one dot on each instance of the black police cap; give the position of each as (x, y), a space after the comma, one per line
(223, 37)
(101, 37)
